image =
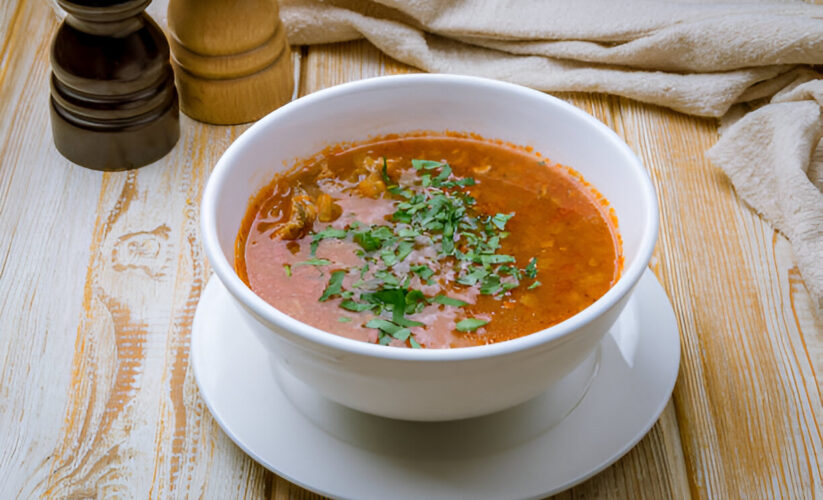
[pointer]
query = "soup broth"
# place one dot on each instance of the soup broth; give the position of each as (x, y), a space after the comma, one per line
(431, 241)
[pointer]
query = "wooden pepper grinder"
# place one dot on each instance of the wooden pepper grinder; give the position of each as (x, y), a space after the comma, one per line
(230, 57)
(113, 101)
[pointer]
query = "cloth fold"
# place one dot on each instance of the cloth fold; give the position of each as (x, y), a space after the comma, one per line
(769, 157)
(699, 57)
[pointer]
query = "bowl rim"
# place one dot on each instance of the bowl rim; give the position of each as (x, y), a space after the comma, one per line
(563, 330)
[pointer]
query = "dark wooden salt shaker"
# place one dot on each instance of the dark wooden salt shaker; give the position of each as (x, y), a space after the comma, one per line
(113, 101)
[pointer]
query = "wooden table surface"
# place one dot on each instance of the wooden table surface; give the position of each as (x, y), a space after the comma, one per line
(100, 275)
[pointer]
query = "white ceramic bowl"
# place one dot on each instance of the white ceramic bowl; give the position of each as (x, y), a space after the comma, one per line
(421, 384)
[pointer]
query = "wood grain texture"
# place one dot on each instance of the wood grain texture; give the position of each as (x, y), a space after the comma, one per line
(99, 287)
(100, 275)
(749, 419)
(40, 243)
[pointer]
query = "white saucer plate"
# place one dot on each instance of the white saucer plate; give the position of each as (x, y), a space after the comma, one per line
(534, 450)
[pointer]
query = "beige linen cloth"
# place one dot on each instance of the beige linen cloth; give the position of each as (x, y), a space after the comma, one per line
(702, 58)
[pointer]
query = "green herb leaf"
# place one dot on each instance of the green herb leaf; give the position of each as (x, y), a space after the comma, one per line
(496, 259)
(444, 174)
(327, 233)
(473, 277)
(388, 256)
(414, 343)
(402, 216)
(344, 319)
(402, 334)
(287, 269)
(351, 305)
(470, 324)
(367, 241)
(418, 164)
(534, 285)
(334, 287)
(448, 301)
(448, 245)
(383, 324)
(396, 331)
(510, 270)
(404, 248)
(387, 278)
(490, 285)
(406, 232)
(500, 220)
(531, 268)
(313, 262)
(397, 190)
(385, 173)
(508, 285)
(423, 271)
(383, 233)
(415, 301)
(407, 322)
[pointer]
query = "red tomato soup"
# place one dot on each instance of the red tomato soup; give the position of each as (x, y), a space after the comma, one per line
(429, 241)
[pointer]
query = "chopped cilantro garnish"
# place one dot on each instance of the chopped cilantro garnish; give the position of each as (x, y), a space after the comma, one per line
(423, 271)
(415, 300)
(448, 301)
(444, 174)
(343, 319)
(387, 278)
(382, 324)
(470, 324)
(402, 334)
(473, 277)
(329, 232)
(385, 173)
(404, 248)
(287, 269)
(396, 331)
(367, 241)
(418, 164)
(496, 259)
(510, 270)
(407, 322)
(508, 285)
(334, 287)
(500, 220)
(407, 233)
(531, 268)
(388, 256)
(490, 285)
(313, 262)
(534, 285)
(351, 305)
(434, 211)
